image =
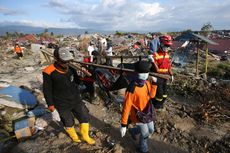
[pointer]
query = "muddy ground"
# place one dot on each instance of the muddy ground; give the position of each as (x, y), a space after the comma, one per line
(183, 127)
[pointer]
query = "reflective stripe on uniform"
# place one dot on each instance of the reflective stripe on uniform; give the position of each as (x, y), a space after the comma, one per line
(163, 70)
(165, 96)
(161, 56)
(159, 99)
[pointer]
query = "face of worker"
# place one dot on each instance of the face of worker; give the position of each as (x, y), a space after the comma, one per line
(165, 48)
(143, 76)
(64, 64)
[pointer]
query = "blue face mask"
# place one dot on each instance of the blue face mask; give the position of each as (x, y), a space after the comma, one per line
(143, 76)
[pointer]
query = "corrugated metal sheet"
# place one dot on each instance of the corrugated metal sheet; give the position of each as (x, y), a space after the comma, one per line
(194, 37)
(205, 39)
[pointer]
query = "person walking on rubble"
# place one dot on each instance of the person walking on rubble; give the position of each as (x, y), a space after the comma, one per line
(60, 87)
(138, 98)
(161, 64)
(18, 50)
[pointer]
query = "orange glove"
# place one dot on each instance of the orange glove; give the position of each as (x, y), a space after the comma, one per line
(51, 108)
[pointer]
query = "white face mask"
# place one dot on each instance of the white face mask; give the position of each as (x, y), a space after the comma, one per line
(164, 48)
(143, 76)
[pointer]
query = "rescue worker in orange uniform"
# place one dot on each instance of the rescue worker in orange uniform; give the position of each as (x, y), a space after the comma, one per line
(137, 97)
(60, 87)
(18, 51)
(161, 64)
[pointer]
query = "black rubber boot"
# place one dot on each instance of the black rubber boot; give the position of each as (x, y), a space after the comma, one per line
(157, 104)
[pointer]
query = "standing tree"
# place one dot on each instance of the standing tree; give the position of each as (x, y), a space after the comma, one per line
(7, 35)
(207, 29)
(46, 30)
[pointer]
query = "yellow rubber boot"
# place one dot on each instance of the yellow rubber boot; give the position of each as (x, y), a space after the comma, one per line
(84, 129)
(72, 133)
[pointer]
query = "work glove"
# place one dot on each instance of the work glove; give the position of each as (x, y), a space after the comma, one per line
(123, 131)
(54, 113)
(172, 78)
(55, 116)
(150, 58)
(153, 79)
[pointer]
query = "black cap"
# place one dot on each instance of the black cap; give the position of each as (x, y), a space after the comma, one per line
(142, 66)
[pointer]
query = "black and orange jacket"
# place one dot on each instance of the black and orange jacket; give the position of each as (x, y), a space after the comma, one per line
(17, 49)
(162, 60)
(60, 88)
(136, 97)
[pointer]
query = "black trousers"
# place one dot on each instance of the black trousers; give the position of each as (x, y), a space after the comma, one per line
(90, 87)
(109, 61)
(20, 55)
(79, 111)
(161, 88)
(161, 93)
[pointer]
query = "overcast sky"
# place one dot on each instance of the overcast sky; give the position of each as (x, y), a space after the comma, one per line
(125, 15)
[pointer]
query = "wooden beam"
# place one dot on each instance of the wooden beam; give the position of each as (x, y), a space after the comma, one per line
(114, 57)
(77, 65)
(163, 76)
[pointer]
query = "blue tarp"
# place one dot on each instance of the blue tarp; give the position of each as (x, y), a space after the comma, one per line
(19, 95)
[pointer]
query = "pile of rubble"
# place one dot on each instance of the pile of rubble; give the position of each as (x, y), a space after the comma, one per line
(195, 119)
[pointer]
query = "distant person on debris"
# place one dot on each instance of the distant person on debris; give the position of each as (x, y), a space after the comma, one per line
(90, 49)
(136, 45)
(18, 50)
(89, 81)
(60, 87)
(102, 44)
(148, 39)
(161, 64)
(109, 52)
(142, 44)
(154, 44)
(138, 98)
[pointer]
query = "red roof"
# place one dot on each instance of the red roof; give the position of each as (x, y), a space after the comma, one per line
(28, 37)
(224, 45)
(47, 38)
